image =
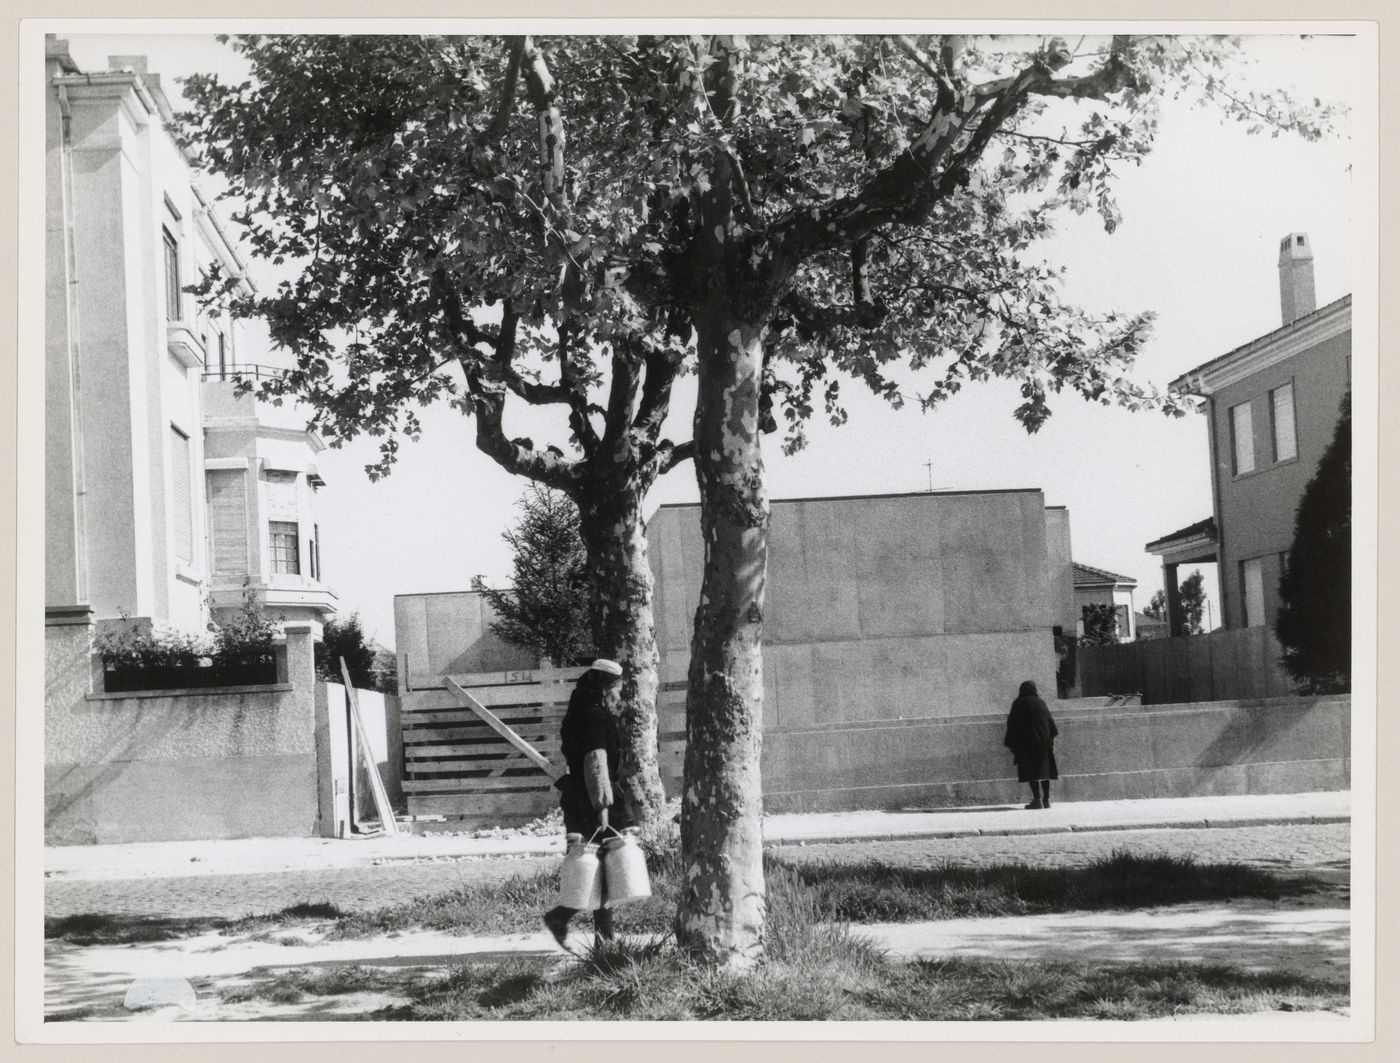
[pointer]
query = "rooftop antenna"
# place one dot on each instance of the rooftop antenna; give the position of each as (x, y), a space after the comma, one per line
(929, 466)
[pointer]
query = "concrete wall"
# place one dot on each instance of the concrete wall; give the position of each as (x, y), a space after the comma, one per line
(449, 634)
(1059, 555)
(882, 608)
(1243, 747)
(1256, 511)
(233, 763)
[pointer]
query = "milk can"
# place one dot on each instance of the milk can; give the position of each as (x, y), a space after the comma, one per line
(580, 878)
(626, 868)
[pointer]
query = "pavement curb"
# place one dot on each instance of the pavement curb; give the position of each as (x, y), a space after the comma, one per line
(1005, 832)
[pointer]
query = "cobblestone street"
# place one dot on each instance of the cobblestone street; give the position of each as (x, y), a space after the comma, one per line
(1301, 847)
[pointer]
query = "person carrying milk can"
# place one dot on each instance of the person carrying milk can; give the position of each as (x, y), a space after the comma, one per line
(589, 743)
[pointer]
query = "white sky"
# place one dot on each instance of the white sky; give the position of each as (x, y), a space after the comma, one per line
(1198, 244)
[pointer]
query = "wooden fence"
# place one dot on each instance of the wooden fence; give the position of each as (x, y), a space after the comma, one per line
(457, 765)
(1231, 665)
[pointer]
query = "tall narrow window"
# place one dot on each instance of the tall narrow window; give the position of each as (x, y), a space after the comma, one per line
(1285, 431)
(1252, 577)
(228, 521)
(172, 276)
(223, 356)
(181, 500)
(316, 552)
(284, 547)
(1242, 438)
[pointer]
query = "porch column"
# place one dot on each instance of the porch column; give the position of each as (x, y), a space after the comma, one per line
(1176, 622)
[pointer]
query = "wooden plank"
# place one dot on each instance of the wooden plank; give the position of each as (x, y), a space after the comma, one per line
(536, 676)
(449, 752)
(462, 786)
(441, 764)
(553, 771)
(376, 784)
(434, 717)
(525, 806)
(450, 734)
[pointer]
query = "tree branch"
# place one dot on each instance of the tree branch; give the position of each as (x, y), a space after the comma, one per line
(626, 375)
(497, 129)
(656, 393)
(672, 454)
(811, 320)
(580, 419)
(517, 456)
(906, 189)
(539, 82)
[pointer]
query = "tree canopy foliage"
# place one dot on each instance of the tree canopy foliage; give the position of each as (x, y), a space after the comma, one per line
(442, 246)
(1100, 625)
(546, 609)
(344, 637)
(1193, 603)
(1314, 616)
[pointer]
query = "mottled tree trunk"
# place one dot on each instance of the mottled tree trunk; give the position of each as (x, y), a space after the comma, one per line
(720, 916)
(614, 535)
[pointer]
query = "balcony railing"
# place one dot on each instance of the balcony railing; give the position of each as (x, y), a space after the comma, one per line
(244, 371)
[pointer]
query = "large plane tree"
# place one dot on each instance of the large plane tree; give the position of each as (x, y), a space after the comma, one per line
(547, 215)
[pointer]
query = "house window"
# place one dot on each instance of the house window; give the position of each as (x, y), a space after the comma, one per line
(228, 520)
(172, 276)
(1285, 432)
(181, 500)
(223, 356)
(316, 552)
(284, 546)
(1252, 578)
(1242, 438)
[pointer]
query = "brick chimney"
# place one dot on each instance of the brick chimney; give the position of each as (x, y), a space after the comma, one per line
(1295, 277)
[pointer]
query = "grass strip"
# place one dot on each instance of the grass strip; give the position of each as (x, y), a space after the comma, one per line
(840, 892)
(834, 978)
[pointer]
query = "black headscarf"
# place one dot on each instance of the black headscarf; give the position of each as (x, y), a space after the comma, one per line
(1029, 728)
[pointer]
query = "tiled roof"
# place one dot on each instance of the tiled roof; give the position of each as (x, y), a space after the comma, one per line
(1088, 576)
(1201, 527)
(1261, 341)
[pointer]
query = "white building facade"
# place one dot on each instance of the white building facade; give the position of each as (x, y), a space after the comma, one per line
(150, 455)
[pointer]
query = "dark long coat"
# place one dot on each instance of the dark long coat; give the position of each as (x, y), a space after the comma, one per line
(1030, 735)
(588, 725)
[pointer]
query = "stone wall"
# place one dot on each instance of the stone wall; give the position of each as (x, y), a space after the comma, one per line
(234, 762)
(1283, 745)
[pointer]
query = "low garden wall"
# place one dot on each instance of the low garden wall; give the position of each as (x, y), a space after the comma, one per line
(227, 762)
(1279, 745)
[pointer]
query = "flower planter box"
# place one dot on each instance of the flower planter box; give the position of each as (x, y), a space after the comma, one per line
(129, 678)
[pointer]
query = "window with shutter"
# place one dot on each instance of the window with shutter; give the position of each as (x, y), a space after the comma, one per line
(228, 521)
(171, 248)
(1252, 576)
(181, 502)
(1242, 438)
(1285, 430)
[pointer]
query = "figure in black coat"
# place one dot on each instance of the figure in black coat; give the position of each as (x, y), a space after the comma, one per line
(588, 740)
(1030, 735)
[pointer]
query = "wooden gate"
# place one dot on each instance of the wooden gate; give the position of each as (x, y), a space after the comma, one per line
(457, 765)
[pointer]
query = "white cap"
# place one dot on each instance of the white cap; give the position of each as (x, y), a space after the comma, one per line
(602, 664)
